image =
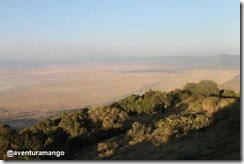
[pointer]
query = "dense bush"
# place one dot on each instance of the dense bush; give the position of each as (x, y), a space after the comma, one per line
(227, 94)
(204, 87)
(8, 139)
(130, 103)
(177, 96)
(75, 124)
(138, 133)
(176, 126)
(108, 118)
(151, 101)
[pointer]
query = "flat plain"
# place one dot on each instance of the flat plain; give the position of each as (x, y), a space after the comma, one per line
(30, 95)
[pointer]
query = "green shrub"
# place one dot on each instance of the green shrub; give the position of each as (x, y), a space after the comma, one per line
(228, 94)
(150, 101)
(7, 140)
(108, 118)
(204, 87)
(177, 96)
(176, 126)
(138, 133)
(75, 124)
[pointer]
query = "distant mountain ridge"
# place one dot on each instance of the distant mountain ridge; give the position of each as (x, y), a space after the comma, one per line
(223, 61)
(206, 62)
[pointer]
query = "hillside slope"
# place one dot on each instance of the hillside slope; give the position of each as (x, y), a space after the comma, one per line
(232, 84)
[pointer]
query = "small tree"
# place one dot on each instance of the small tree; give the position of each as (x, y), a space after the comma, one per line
(208, 88)
(205, 88)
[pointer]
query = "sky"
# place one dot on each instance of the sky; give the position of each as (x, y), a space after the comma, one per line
(33, 29)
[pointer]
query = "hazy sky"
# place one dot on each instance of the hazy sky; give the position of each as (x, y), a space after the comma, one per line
(53, 28)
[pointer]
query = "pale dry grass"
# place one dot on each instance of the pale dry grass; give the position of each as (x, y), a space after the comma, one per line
(45, 92)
